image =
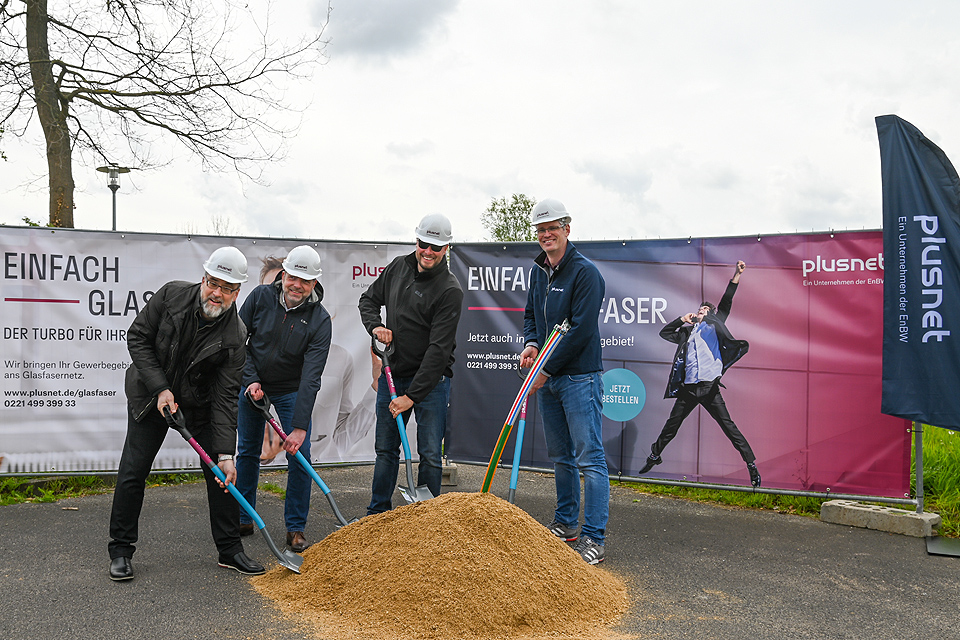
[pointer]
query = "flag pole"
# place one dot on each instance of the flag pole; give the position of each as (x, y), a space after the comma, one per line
(918, 444)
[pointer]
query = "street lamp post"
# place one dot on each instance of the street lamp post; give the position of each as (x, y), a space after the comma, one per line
(113, 172)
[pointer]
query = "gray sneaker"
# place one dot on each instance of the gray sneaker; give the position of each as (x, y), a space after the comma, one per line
(562, 531)
(590, 551)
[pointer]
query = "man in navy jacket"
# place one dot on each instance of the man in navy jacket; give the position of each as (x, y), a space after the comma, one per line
(289, 338)
(705, 350)
(567, 286)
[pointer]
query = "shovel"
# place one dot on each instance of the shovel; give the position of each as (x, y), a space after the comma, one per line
(515, 471)
(410, 493)
(287, 558)
(263, 406)
(553, 340)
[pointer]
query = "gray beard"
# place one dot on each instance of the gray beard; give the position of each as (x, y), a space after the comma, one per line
(212, 312)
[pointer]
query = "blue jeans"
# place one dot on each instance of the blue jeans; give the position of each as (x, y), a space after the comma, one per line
(571, 409)
(431, 425)
(249, 444)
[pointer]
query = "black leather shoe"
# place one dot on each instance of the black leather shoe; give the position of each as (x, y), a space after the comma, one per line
(754, 476)
(121, 569)
(246, 529)
(652, 461)
(243, 564)
(297, 541)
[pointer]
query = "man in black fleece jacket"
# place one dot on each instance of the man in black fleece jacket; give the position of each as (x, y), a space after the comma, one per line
(423, 301)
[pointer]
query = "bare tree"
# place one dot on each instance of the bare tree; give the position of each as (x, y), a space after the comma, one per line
(509, 220)
(222, 225)
(110, 79)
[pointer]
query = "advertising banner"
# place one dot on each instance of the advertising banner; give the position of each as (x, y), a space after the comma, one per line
(67, 299)
(806, 396)
(921, 241)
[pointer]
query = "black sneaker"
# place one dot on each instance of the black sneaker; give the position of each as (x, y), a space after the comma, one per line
(242, 563)
(562, 531)
(652, 461)
(590, 551)
(754, 475)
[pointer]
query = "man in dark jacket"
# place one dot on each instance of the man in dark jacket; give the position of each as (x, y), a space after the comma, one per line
(423, 301)
(567, 286)
(288, 341)
(705, 350)
(187, 347)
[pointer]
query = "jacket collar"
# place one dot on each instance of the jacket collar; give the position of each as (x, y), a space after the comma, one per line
(315, 296)
(411, 261)
(541, 260)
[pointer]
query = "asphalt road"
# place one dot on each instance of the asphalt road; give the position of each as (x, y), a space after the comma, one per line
(694, 571)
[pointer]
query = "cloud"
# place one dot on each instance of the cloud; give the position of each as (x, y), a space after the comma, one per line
(379, 29)
(812, 198)
(406, 151)
(718, 177)
(630, 178)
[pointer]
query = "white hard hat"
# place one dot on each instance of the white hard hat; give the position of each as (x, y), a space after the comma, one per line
(547, 210)
(435, 229)
(227, 263)
(303, 262)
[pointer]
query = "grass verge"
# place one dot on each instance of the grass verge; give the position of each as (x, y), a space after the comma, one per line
(20, 489)
(941, 477)
(941, 486)
(781, 504)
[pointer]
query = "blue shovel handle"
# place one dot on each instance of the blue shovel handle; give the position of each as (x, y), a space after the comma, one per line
(287, 559)
(263, 406)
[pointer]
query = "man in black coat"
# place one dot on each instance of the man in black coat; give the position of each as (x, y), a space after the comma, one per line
(705, 350)
(187, 351)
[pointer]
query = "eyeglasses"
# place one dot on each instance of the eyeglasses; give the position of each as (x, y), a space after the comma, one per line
(552, 229)
(224, 288)
(433, 247)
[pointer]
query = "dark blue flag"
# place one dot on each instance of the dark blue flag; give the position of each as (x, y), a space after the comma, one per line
(921, 294)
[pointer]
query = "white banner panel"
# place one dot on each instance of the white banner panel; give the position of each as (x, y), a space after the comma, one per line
(67, 298)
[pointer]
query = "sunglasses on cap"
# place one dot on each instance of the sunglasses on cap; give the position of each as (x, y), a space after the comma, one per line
(436, 248)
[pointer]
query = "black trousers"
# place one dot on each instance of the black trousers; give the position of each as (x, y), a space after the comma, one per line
(708, 395)
(139, 451)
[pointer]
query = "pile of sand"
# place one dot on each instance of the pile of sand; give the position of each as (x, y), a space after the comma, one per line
(462, 565)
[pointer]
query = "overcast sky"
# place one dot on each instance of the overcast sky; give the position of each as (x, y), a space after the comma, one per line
(647, 119)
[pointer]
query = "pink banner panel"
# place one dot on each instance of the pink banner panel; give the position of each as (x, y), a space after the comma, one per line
(806, 396)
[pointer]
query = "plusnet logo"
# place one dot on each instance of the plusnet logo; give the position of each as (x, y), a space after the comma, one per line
(366, 270)
(841, 265)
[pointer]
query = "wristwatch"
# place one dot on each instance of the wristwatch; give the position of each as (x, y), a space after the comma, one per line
(224, 456)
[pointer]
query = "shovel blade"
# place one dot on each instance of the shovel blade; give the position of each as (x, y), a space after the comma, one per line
(418, 494)
(286, 558)
(291, 561)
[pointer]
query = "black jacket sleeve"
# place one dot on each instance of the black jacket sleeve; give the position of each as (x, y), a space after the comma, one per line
(726, 302)
(671, 332)
(142, 343)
